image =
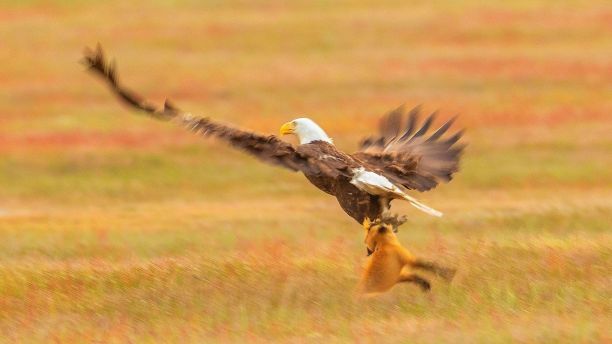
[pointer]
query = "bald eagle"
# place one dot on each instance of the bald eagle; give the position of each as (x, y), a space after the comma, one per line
(402, 157)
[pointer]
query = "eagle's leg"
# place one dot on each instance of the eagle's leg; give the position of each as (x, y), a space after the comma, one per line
(386, 216)
(385, 205)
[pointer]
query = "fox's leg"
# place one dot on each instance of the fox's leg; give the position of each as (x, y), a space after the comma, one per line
(416, 279)
(446, 273)
(408, 259)
(405, 257)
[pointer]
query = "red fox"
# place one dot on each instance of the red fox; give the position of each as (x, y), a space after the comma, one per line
(389, 263)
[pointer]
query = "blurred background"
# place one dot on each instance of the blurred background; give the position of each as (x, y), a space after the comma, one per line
(117, 228)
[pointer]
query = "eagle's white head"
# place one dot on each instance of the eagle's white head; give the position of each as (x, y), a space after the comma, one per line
(306, 130)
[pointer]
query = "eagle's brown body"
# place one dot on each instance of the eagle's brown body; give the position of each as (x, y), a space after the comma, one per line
(402, 156)
(356, 203)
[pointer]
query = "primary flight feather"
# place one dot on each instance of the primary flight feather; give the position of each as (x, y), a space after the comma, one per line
(401, 157)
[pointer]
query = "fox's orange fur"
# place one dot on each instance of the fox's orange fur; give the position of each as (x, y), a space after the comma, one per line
(390, 263)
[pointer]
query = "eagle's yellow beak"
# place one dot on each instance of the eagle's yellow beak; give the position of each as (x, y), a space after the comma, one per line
(287, 128)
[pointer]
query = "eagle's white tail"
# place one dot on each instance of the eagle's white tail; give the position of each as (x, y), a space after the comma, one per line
(376, 184)
(422, 207)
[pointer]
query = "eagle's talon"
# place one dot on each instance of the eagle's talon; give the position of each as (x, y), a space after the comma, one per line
(394, 220)
(367, 223)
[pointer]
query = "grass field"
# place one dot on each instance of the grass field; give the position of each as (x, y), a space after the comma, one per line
(115, 228)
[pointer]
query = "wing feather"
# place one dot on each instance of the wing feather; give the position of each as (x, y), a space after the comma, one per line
(268, 148)
(425, 127)
(414, 161)
(441, 130)
(413, 117)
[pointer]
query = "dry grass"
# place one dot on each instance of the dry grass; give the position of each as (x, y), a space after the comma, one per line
(114, 228)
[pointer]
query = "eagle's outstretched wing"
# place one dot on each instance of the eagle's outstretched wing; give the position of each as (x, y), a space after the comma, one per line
(268, 148)
(405, 153)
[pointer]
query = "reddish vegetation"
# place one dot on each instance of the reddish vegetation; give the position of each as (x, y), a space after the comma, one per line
(556, 18)
(517, 118)
(516, 68)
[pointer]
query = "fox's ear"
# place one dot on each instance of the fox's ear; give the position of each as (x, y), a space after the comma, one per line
(367, 223)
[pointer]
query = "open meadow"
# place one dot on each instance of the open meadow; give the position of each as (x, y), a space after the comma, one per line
(116, 228)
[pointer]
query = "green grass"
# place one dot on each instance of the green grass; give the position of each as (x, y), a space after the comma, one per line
(115, 228)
